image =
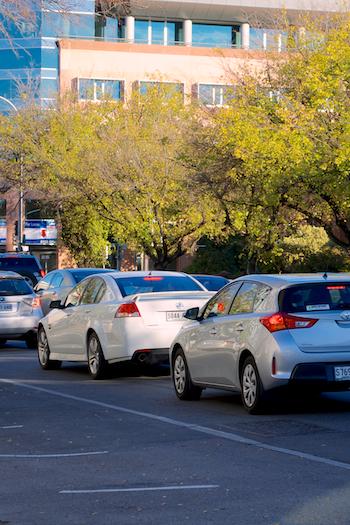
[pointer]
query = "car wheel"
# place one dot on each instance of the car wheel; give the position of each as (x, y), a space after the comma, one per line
(32, 341)
(44, 352)
(252, 391)
(96, 361)
(184, 387)
(3, 342)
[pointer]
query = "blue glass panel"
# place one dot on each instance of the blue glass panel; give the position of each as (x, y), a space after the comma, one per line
(256, 36)
(98, 89)
(171, 33)
(157, 32)
(170, 87)
(87, 6)
(68, 25)
(113, 89)
(210, 35)
(23, 73)
(215, 95)
(20, 43)
(141, 31)
(49, 58)
(49, 88)
(86, 89)
(21, 58)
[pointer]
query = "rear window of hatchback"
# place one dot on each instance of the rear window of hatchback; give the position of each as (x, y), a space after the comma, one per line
(315, 297)
(14, 287)
(155, 283)
(11, 263)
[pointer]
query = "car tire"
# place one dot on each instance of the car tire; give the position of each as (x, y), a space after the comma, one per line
(44, 352)
(184, 388)
(252, 390)
(3, 342)
(31, 341)
(97, 364)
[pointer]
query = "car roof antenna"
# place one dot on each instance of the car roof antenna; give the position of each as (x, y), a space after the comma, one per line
(325, 275)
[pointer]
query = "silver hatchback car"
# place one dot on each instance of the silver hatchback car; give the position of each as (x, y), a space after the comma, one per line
(263, 332)
(20, 310)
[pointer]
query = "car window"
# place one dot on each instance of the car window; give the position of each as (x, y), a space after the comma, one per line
(14, 287)
(13, 263)
(212, 283)
(101, 294)
(312, 297)
(73, 298)
(91, 291)
(44, 283)
(221, 302)
(156, 283)
(56, 280)
(249, 298)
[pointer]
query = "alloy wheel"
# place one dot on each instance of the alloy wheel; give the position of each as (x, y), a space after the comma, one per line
(43, 348)
(249, 385)
(94, 355)
(179, 374)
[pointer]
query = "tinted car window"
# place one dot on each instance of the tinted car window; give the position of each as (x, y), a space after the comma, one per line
(155, 283)
(249, 298)
(91, 291)
(73, 298)
(14, 287)
(57, 280)
(44, 283)
(7, 263)
(81, 274)
(212, 282)
(313, 297)
(221, 302)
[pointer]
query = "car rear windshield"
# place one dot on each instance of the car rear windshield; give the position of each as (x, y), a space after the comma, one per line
(155, 283)
(11, 263)
(81, 274)
(14, 287)
(315, 297)
(212, 283)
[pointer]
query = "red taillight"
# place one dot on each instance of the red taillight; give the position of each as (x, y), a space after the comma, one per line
(152, 278)
(36, 302)
(273, 366)
(42, 273)
(128, 310)
(283, 321)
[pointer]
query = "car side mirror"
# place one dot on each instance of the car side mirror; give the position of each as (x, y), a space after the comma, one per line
(56, 304)
(192, 314)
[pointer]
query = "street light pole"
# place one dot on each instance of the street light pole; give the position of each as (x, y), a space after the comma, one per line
(21, 196)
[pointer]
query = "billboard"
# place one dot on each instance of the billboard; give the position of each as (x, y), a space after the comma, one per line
(40, 232)
(3, 231)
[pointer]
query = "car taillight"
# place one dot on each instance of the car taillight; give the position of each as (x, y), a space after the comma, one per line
(42, 273)
(36, 302)
(128, 310)
(283, 321)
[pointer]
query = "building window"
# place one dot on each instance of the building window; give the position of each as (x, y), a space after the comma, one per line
(68, 25)
(97, 89)
(109, 28)
(158, 32)
(215, 94)
(168, 87)
(213, 35)
(141, 31)
(268, 39)
(2, 208)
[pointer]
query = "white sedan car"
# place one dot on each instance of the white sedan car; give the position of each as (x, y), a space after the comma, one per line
(121, 316)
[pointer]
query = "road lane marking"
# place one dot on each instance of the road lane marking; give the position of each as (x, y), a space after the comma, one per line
(11, 426)
(141, 489)
(189, 426)
(44, 456)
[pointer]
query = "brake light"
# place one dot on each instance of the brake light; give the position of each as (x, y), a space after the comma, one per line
(153, 278)
(336, 287)
(36, 302)
(283, 321)
(128, 310)
(42, 273)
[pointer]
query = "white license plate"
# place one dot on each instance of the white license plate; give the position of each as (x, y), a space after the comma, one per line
(5, 307)
(342, 373)
(174, 316)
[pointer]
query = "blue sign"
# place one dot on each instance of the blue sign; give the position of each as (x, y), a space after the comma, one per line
(40, 232)
(3, 231)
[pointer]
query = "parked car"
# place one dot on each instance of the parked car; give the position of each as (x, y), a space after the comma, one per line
(118, 316)
(262, 332)
(58, 283)
(211, 282)
(24, 264)
(20, 309)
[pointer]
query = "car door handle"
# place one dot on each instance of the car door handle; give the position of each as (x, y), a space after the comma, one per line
(239, 328)
(212, 331)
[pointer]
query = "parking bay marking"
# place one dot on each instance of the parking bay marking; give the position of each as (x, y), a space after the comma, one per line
(45, 456)
(140, 489)
(190, 426)
(11, 426)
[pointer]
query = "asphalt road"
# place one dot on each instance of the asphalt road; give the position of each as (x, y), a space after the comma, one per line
(126, 451)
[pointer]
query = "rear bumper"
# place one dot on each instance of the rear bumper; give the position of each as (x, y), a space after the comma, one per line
(318, 375)
(17, 327)
(156, 356)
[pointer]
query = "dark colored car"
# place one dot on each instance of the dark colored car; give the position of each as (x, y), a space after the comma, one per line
(25, 264)
(58, 283)
(213, 283)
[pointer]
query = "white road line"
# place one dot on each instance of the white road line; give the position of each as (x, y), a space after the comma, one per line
(38, 456)
(11, 426)
(141, 489)
(190, 426)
